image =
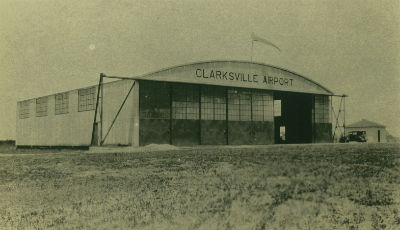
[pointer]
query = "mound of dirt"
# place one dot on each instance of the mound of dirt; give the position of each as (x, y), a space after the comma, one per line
(160, 147)
(150, 147)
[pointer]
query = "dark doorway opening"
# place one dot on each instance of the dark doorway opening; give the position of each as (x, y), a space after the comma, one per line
(379, 136)
(294, 119)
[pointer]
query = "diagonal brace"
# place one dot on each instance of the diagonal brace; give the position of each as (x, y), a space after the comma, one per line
(116, 116)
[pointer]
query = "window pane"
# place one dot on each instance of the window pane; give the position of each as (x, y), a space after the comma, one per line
(87, 99)
(41, 106)
(154, 100)
(24, 109)
(321, 109)
(61, 106)
(185, 102)
(245, 106)
(213, 103)
(233, 105)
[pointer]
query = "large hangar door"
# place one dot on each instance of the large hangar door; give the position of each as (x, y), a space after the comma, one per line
(154, 113)
(185, 115)
(213, 115)
(250, 117)
(296, 117)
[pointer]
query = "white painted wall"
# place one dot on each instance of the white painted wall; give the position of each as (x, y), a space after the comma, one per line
(114, 95)
(75, 128)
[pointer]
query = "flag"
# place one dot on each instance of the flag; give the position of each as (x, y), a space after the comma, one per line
(255, 38)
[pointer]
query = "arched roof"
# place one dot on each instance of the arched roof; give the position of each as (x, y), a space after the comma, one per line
(237, 74)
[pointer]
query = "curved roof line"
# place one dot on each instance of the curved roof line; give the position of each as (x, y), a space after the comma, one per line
(256, 63)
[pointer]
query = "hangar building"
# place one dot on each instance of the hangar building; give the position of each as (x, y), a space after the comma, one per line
(204, 103)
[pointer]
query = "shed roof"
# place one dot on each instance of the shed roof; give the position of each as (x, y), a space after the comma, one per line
(365, 124)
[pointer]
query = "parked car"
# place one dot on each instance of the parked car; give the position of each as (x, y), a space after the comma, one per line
(357, 136)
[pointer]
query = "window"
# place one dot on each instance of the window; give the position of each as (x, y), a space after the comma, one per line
(61, 104)
(233, 105)
(41, 107)
(262, 108)
(24, 108)
(245, 106)
(87, 99)
(213, 105)
(250, 105)
(321, 109)
(185, 102)
(239, 105)
(154, 100)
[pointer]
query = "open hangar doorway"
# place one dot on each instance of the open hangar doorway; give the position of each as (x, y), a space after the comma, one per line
(293, 117)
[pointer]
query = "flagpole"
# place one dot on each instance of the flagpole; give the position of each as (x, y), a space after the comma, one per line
(251, 55)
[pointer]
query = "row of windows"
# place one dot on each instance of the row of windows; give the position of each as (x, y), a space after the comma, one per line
(86, 102)
(242, 105)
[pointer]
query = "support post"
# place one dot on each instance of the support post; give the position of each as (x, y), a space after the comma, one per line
(226, 116)
(344, 115)
(331, 117)
(95, 111)
(199, 88)
(251, 55)
(101, 110)
(170, 113)
(313, 118)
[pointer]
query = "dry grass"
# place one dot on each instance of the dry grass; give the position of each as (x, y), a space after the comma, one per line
(344, 186)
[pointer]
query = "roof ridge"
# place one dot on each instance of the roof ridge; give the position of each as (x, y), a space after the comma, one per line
(364, 123)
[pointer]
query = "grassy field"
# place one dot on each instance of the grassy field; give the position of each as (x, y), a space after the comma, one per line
(342, 186)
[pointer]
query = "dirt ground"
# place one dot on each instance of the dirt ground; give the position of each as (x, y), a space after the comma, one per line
(321, 186)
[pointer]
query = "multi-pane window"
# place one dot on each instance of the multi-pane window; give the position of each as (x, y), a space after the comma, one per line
(154, 100)
(262, 108)
(185, 102)
(233, 105)
(87, 99)
(61, 104)
(213, 103)
(250, 105)
(239, 105)
(24, 109)
(321, 109)
(41, 106)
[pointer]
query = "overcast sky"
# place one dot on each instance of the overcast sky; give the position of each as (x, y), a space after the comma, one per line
(350, 47)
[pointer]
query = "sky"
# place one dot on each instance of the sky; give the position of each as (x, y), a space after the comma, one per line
(350, 47)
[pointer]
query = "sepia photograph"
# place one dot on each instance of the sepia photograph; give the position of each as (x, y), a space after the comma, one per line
(185, 114)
